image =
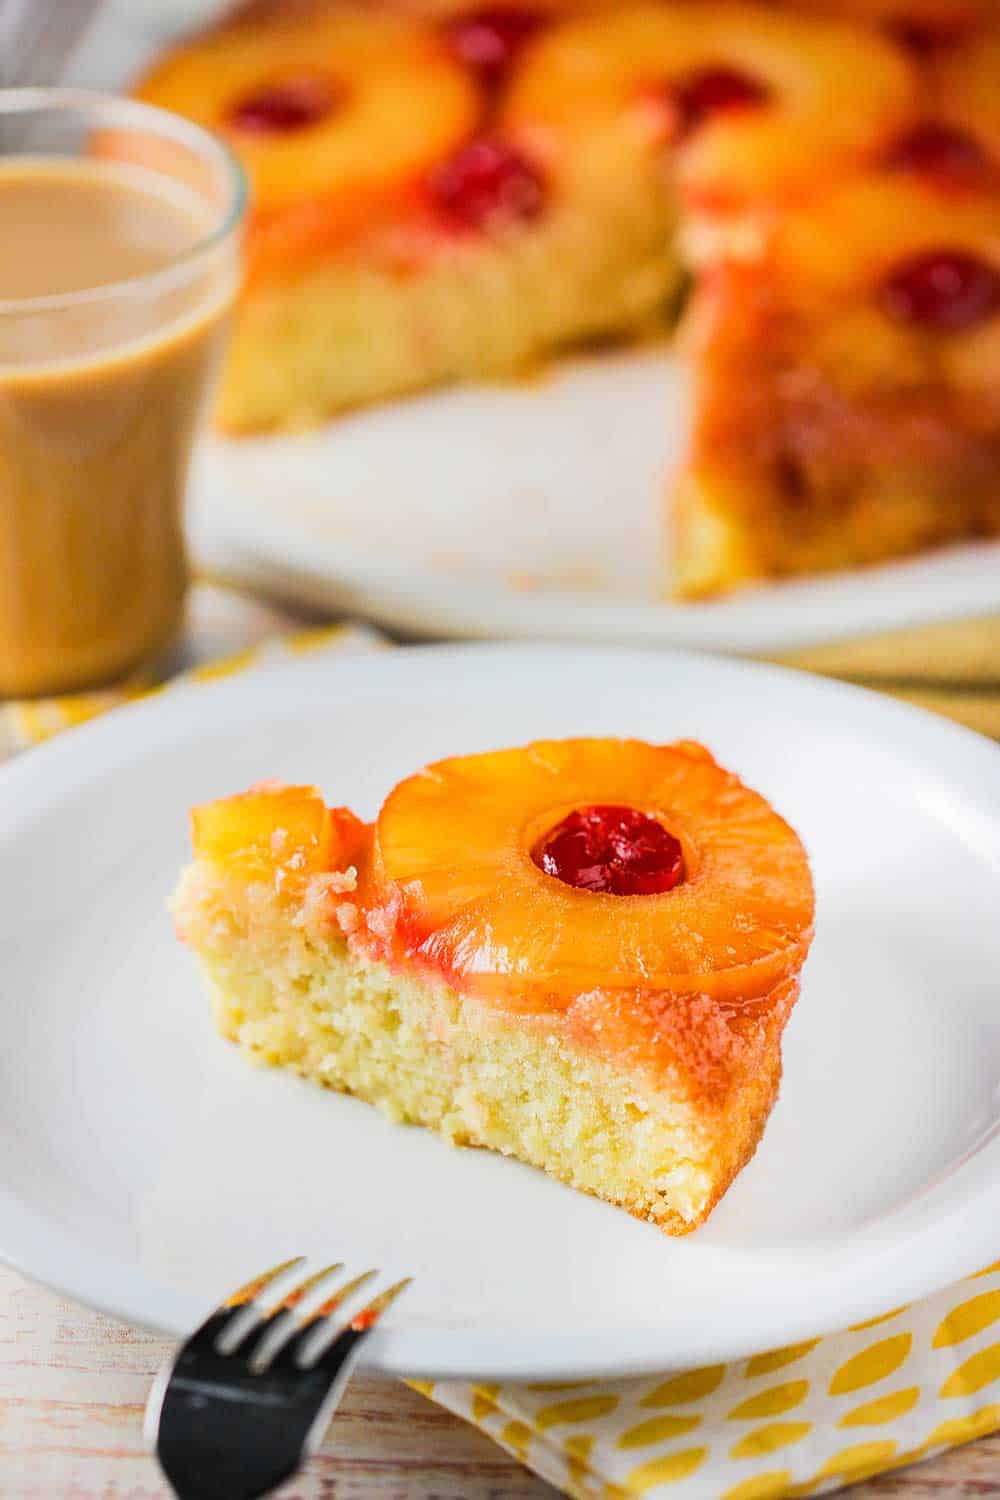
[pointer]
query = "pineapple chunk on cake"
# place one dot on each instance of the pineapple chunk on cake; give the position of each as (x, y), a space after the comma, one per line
(847, 387)
(580, 953)
(743, 105)
(273, 828)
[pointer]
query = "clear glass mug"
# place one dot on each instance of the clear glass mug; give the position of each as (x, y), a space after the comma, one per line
(102, 391)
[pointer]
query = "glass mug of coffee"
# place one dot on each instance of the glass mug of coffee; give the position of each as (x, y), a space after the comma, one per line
(119, 265)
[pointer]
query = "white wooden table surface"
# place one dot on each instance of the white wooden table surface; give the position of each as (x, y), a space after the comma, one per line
(73, 1385)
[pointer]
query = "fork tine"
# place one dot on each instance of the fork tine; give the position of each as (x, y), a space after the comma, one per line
(354, 1333)
(339, 1297)
(307, 1335)
(369, 1316)
(218, 1420)
(252, 1290)
(236, 1307)
(300, 1292)
(262, 1340)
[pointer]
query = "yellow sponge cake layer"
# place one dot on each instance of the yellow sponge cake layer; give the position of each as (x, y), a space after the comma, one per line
(286, 989)
(367, 324)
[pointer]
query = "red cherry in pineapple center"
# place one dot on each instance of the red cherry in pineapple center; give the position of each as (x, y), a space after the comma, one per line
(488, 41)
(924, 38)
(486, 184)
(714, 91)
(617, 850)
(939, 150)
(948, 291)
(286, 105)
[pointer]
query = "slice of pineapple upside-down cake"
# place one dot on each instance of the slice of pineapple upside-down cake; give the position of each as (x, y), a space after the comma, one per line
(581, 953)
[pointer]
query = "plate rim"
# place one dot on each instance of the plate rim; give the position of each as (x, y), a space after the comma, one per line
(959, 1244)
(829, 608)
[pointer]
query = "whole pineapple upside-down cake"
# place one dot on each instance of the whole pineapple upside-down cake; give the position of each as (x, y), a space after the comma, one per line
(581, 953)
(447, 190)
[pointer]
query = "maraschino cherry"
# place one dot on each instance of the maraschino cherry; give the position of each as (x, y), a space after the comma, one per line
(948, 291)
(940, 151)
(287, 105)
(714, 91)
(489, 40)
(487, 183)
(617, 850)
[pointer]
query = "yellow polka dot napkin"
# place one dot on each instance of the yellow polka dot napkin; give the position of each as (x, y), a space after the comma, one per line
(797, 1421)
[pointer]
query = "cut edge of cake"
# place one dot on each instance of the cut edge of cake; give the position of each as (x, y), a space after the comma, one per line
(291, 991)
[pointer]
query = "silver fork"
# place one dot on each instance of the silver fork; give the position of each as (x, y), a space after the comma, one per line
(247, 1398)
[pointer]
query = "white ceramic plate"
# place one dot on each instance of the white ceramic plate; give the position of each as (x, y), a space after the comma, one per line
(144, 1167)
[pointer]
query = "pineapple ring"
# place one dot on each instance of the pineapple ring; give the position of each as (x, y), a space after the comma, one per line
(833, 262)
(834, 93)
(453, 864)
(399, 100)
(848, 239)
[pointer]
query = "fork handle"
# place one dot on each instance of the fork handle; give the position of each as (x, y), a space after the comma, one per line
(209, 1451)
(336, 1365)
(204, 1444)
